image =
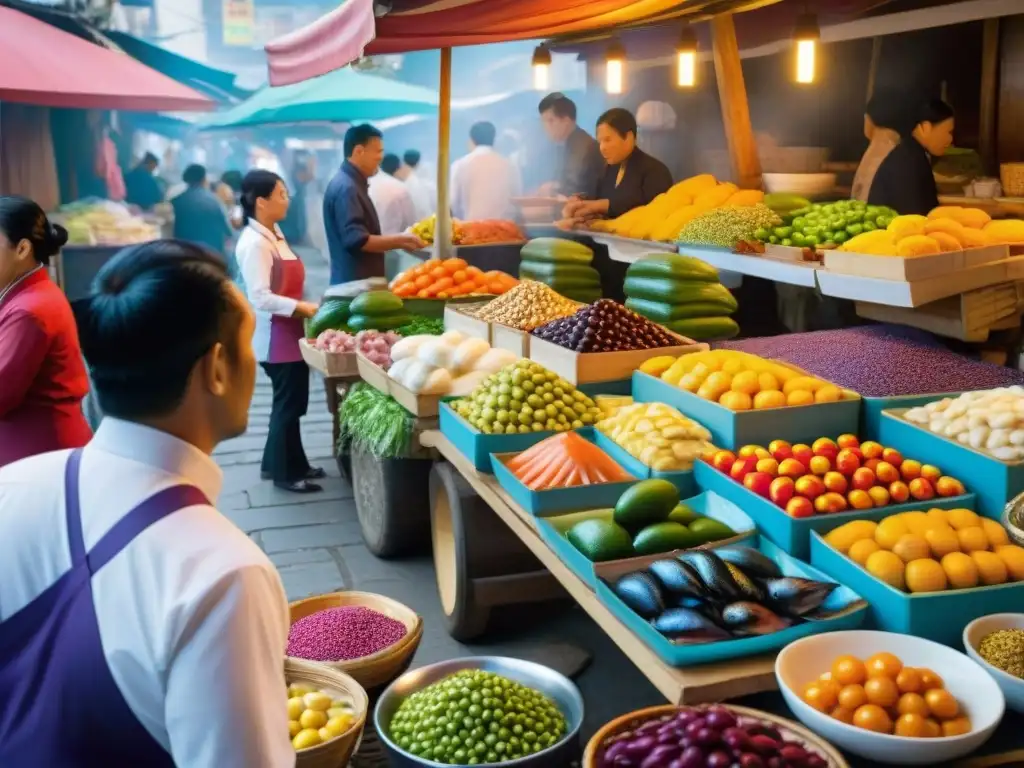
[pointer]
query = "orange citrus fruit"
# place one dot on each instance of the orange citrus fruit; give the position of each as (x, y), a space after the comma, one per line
(912, 704)
(972, 539)
(861, 550)
(960, 570)
(958, 726)
(941, 704)
(852, 696)
(995, 532)
(847, 670)
(991, 568)
(886, 567)
(871, 717)
(911, 725)
(882, 691)
(908, 680)
(883, 664)
(925, 575)
(1013, 558)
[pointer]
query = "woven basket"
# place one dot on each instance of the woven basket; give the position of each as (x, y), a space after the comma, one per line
(380, 668)
(1012, 177)
(335, 753)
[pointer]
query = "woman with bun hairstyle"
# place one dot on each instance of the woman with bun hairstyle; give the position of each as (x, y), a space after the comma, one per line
(42, 374)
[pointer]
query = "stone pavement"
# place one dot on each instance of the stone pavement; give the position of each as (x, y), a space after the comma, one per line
(315, 543)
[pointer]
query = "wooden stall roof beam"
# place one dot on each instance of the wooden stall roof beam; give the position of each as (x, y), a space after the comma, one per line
(989, 96)
(707, 682)
(443, 229)
(732, 92)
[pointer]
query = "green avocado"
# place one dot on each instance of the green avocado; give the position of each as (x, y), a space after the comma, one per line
(647, 502)
(600, 540)
(664, 537)
(683, 515)
(708, 529)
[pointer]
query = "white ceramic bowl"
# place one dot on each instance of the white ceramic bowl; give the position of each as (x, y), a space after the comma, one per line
(980, 698)
(1012, 687)
(803, 184)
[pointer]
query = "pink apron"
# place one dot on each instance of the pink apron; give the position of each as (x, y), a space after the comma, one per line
(287, 278)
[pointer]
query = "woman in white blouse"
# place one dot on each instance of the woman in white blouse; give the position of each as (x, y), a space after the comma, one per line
(274, 279)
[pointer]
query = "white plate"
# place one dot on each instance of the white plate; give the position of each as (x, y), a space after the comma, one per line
(1012, 687)
(980, 698)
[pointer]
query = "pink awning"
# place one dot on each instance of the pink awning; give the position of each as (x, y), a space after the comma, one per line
(45, 66)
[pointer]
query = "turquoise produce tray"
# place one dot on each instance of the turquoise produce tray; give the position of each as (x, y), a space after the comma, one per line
(938, 616)
(682, 479)
(994, 481)
(793, 534)
(478, 446)
(557, 500)
(553, 529)
(732, 429)
(871, 412)
(683, 655)
(621, 387)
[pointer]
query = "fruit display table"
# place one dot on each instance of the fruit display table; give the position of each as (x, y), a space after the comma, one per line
(462, 595)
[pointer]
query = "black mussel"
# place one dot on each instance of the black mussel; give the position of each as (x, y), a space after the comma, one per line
(750, 589)
(795, 596)
(823, 613)
(691, 626)
(753, 562)
(678, 577)
(641, 593)
(716, 577)
(747, 618)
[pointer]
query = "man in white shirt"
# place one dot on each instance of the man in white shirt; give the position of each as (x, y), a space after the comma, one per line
(423, 191)
(483, 182)
(391, 198)
(158, 626)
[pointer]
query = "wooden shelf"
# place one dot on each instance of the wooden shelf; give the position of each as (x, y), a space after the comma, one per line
(708, 682)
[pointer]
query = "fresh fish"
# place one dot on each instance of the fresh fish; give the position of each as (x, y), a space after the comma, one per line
(746, 618)
(795, 596)
(717, 578)
(641, 593)
(753, 562)
(689, 626)
(678, 578)
(750, 589)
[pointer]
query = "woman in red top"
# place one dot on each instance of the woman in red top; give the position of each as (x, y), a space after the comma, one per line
(42, 375)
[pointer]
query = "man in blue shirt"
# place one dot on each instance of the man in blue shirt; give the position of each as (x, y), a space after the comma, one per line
(356, 245)
(199, 215)
(141, 186)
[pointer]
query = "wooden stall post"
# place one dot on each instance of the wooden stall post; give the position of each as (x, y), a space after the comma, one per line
(989, 96)
(876, 57)
(732, 92)
(443, 247)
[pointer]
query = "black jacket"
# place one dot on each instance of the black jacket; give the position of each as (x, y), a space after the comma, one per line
(904, 181)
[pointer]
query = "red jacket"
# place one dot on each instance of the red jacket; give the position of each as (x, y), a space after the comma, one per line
(42, 374)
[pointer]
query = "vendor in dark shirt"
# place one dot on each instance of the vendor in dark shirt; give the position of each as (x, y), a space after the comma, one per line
(905, 181)
(141, 187)
(580, 163)
(631, 177)
(354, 240)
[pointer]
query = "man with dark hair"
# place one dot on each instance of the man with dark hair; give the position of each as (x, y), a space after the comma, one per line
(141, 187)
(579, 159)
(121, 585)
(354, 237)
(483, 182)
(392, 199)
(422, 191)
(199, 216)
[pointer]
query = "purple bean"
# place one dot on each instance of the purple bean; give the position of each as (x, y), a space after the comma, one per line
(720, 718)
(706, 737)
(692, 757)
(639, 747)
(793, 755)
(764, 745)
(737, 739)
(339, 634)
(750, 760)
(660, 756)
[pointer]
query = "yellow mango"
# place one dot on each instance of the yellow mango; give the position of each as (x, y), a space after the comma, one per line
(878, 242)
(949, 226)
(946, 241)
(975, 218)
(917, 245)
(668, 230)
(656, 366)
(746, 198)
(905, 226)
(716, 196)
(1005, 232)
(945, 212)
(694, 185)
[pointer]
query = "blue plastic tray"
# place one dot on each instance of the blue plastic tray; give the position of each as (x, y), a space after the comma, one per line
(995, 482)
(553, 529)
(682, 479)
(939, 616)
(871, 411)
(732, 429)
(681, 655)
(621, 387)
(793, 534)
(477, 446)
(557, 500)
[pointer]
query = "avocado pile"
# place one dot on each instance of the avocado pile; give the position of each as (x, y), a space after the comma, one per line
(648, 520)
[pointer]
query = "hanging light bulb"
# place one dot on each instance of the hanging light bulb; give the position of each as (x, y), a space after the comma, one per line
(615, 67)
(686, 55)
(541, 68)
(806, 35)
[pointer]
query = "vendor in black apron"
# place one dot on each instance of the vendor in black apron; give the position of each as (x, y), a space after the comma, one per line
(630, 179)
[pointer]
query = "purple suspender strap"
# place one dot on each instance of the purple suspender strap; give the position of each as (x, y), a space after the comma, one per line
(124, 531)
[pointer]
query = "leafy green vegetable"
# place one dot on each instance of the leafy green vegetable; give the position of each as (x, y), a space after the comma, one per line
(375, 423)
(420, 326)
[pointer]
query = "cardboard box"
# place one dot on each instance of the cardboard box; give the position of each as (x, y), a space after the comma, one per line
(511, 339)
(590, 367)
(457, 320)
(912, 268)
(330, 364)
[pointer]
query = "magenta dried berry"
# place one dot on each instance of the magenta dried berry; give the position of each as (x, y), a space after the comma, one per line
(342, 634)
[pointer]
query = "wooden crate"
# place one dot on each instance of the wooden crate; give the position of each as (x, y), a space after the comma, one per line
(455, 319)
(422, 406)
(593, 367)
(330, 364)
(912, 268)
(511, 339)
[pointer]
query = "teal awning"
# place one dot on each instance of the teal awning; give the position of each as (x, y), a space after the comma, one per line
(340, 96)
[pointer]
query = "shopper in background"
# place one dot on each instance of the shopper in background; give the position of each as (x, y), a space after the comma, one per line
(141, 185)
(125, 595)
(274, 280)
(199, 216)
(354, 237)
(42, 376)
(423, 191)
(294, 225)
(884, 119)
(392, 199)
(483, 182)
(579, 160)
(905, 181)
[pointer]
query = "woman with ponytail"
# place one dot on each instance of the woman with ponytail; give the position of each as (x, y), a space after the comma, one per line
(42, 374)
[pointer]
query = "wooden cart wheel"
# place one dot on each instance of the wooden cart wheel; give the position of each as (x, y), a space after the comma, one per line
(390, 497)
(449, 494)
